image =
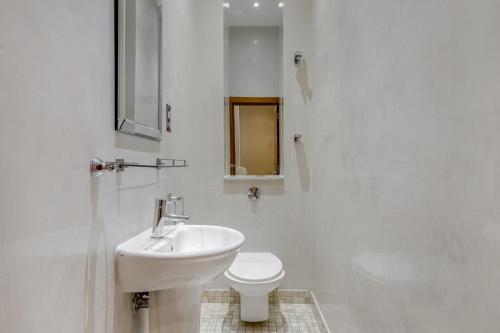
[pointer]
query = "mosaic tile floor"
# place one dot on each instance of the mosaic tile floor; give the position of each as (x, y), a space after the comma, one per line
(283, 317)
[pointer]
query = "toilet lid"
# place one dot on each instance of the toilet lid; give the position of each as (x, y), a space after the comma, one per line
(255, 266)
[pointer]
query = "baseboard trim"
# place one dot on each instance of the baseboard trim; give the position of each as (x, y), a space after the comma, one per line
(320, 313)
(231, 296)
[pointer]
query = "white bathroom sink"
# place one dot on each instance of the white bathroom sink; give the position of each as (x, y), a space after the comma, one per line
(188, 256)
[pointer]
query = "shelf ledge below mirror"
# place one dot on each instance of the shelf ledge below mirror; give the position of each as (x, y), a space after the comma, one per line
(253, 178)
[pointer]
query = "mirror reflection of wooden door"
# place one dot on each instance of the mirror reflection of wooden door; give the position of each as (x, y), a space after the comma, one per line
(254, 135)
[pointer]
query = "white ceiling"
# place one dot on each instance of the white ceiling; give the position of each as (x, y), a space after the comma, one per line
(243, 13)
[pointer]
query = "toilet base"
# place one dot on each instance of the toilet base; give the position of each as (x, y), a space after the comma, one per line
(254, 308)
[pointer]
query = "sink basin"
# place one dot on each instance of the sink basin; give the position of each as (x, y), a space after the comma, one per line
(186, 256)
(174, 269)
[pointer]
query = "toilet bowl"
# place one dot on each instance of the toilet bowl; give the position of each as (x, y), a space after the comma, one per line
(254, 275)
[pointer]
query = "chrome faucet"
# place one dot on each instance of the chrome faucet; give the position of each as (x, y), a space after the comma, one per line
(160, 210)
(162, 215)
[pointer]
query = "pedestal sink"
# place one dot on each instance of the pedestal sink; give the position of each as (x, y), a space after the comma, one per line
(174, 270)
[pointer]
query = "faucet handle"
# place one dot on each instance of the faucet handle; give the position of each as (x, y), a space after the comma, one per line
(173, 199)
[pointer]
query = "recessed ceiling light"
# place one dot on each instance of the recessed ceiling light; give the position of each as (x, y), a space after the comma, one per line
(281, 4)
(256, 4)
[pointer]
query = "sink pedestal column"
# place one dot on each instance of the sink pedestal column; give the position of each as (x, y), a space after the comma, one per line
(175, 310)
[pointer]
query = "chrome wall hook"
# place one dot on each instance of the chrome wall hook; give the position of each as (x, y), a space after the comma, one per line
(298, 57)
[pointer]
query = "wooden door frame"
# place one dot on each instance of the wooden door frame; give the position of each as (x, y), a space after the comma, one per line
(233, 101)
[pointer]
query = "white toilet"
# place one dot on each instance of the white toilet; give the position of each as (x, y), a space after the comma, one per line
(254, 275)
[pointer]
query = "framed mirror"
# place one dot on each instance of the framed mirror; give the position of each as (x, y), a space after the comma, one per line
(138, 50)
(253, 61)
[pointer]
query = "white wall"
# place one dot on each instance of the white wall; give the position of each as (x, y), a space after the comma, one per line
(59, 226)
(254, 61)
(278, 221)
(406, 165)
(405, 157)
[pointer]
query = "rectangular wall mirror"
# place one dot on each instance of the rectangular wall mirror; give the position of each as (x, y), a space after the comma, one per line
(253, 38)
(138, 49)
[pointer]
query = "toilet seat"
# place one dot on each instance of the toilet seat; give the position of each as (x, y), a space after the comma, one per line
(256, 267)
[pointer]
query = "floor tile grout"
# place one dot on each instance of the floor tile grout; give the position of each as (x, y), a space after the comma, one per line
(283, 318)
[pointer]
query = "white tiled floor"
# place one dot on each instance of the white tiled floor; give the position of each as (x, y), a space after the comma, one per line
(285, 317)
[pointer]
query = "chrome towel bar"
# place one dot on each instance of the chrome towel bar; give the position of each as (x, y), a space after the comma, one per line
(98, 166)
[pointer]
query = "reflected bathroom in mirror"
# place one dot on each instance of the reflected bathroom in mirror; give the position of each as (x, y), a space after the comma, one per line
(138, 35)
(253, 34)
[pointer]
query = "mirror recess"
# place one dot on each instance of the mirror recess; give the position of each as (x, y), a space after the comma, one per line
(253, 67)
